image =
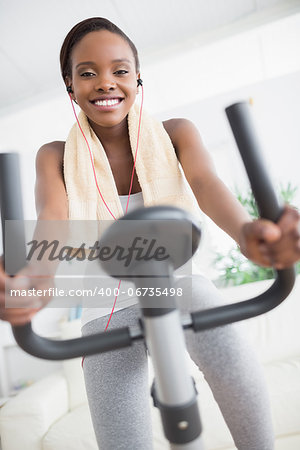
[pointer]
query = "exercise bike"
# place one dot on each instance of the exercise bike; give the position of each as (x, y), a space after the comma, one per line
(173, 390)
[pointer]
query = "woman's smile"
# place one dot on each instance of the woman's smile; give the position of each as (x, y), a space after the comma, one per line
(106, 103)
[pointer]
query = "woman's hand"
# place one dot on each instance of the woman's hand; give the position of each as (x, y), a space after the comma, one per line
(269, 244)
(19, 309)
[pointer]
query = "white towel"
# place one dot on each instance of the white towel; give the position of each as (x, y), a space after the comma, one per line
(157, 167)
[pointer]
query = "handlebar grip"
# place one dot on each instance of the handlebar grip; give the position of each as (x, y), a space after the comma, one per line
(223, 315)
(242, 127)
(12, 209)
(45, 348)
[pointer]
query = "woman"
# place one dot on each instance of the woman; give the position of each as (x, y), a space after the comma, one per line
(100, 68)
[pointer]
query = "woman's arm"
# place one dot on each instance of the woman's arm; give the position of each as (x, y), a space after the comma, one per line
(213, 197)
(51, 200)
(260, 240)
(50, 193)
(51, 205)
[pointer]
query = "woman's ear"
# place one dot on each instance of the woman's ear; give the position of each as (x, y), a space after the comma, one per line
(68, 83)
(139, 82)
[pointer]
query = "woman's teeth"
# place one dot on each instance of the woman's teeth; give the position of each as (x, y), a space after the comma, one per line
(113, 101)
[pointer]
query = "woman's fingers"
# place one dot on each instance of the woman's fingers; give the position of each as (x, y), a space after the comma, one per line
(286, 251)
(23, 295)
(255, 239)
(270, 244)
(289, 221)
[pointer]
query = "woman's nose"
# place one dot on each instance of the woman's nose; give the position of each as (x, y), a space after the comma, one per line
(104, 83)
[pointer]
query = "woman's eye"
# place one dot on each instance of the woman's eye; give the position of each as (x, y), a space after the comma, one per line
(121, 72)
(87, 74)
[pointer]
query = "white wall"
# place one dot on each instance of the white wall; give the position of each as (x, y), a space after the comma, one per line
(276, 112)
(27, 130)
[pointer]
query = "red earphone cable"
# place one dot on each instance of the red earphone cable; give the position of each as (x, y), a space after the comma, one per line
(137, 146)
(91, 156)
(95, 177)
(132, 175)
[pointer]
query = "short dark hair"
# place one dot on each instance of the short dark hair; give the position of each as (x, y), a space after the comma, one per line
(79, 31)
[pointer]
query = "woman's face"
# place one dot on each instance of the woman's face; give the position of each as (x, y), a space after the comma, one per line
(104, 78)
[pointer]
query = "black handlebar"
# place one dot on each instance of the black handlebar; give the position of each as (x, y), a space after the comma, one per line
(71, 348)
(242, 127)
(11, 206)
(269, 207)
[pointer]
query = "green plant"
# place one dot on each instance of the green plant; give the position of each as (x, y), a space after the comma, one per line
(288, 193)
(234, 269)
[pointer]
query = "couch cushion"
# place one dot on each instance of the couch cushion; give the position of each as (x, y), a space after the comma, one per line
(73, 431)
(283, 379)
(31, 412)
(289, 442)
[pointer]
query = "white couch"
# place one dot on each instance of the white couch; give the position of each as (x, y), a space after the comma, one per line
(53, 413)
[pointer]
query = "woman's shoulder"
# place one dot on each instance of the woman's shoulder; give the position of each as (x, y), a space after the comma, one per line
(49, 154)
(177, 125)
(51, 151)
(181, 130)
(52, 148)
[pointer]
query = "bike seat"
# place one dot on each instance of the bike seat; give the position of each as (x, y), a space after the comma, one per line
(165, 235)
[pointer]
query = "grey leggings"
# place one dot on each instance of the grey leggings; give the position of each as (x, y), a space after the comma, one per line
(117, 382)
